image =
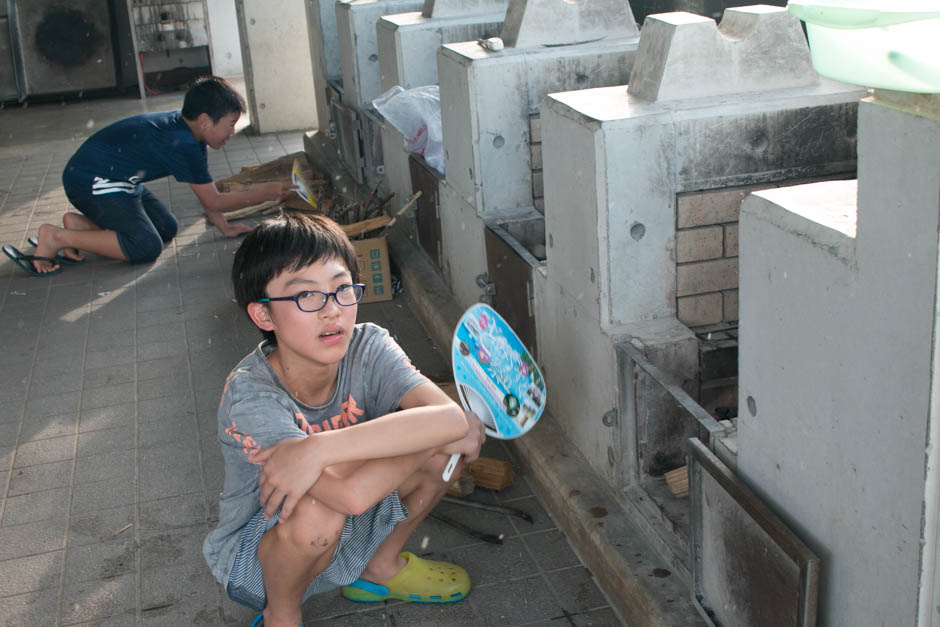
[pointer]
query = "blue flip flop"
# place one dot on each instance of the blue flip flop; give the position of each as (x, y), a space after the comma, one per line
(26, 261)
(34, 241)
(258, 621)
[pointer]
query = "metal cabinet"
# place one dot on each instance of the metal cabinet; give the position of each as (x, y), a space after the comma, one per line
(511, 263)
(61, 47)
(426, 180)
(162, 25)
(7, 75)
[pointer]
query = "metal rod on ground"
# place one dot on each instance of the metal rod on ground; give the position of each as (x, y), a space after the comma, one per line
(502, 509)
(486, 537)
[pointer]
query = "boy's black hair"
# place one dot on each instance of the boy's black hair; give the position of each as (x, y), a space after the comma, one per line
(214, 97)
(287, 243)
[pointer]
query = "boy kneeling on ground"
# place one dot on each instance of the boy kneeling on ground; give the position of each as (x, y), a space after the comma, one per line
(309, 430)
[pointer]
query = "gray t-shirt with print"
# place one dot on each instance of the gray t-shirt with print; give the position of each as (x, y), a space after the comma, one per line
(256, 411)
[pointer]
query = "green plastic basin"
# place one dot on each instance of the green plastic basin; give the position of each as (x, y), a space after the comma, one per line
(888, 44)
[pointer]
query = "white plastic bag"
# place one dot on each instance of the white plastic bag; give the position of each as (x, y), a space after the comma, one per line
(416, 113)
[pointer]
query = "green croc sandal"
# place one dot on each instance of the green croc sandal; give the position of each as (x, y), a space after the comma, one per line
(420, 581)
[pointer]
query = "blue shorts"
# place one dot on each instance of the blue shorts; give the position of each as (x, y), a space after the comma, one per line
(360, 538)
(143, 224)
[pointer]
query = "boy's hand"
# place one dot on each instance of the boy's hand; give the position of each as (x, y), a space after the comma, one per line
(234, 230)
(468, 446)
(289, 471)
(279, 191)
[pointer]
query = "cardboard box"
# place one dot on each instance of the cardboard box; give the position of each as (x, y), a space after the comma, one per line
(374, 268)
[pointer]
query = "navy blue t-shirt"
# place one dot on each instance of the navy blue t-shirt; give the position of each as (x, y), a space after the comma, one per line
(141, 148)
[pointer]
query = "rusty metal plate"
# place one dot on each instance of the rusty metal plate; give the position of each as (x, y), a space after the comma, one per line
(371, 135)
(511, 276)
(428, 181)
(348, 137)
(748, 567)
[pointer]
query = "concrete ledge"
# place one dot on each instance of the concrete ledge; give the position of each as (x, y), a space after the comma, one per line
(424, 288)
(824, 214)
(635, 578)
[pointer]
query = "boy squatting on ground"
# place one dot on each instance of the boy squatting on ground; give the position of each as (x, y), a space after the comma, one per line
(307, 423)
(122, 219)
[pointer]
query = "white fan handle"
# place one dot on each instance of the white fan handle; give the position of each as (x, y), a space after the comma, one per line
(451, 465)
(452, 462)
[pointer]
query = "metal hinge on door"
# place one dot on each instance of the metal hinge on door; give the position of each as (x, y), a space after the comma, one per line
(489, 289)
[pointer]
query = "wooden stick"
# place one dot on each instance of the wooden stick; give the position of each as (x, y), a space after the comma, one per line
(493, 474)
(247, 211)
(358, 228)
(411, 201)
(678, 481)
(364, 207)
(462, 486)
(379, 206)
(347, 212)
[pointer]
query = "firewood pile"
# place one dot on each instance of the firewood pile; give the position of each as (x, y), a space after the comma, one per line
(360, 218)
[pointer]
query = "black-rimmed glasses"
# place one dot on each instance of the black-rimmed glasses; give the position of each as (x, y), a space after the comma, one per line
(312, 300)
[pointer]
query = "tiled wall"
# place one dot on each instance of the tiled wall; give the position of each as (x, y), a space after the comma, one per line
(707, 255)
(535, 150)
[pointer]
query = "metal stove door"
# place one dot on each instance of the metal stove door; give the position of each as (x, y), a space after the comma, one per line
(61, 47)
(349, 138)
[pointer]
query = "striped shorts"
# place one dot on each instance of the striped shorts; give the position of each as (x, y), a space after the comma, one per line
(360, 538)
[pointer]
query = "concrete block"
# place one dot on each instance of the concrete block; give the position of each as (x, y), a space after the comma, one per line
(706, 276)
(695, 311)
(699, 244)
(538, 190)
(535, 128)
(324, 53)
(532, 23)
(573, 353)
(704, 208)
(726, 448)
(408, 42)
(614, 168)
(440, 9)
(395, 160)
(730, 305)
(462, 246)
(757, 48)
(731, 240)
(407, 49)
(488, 98)
(356, 22)
(269, 65)
(536, 150)
(801, 134)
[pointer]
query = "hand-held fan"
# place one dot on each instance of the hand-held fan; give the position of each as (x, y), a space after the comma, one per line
(496, 377)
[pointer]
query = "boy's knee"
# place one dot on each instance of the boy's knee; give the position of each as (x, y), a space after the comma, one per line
(169, 229)
(431, 473)
(315, 527)
(144, 248)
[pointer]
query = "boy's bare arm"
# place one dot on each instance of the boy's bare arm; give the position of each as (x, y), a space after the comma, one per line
(217, 203)
(428, 420)
(354, 489)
